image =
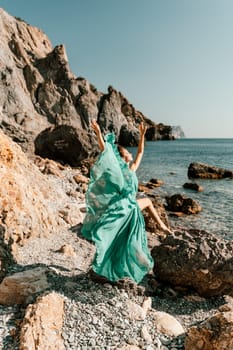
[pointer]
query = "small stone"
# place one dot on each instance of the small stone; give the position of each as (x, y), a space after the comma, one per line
(150, 347)
(135, 311)
(132, 341)
(164, 340)
(92, 342)
(71, 338)
(95, 320)
(167, 324)
(146, 335)
(147, 304)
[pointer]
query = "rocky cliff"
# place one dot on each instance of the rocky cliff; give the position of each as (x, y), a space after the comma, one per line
(41, 99)
(34, 202)
(177, 132)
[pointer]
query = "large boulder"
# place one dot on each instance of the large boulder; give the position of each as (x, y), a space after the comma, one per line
(181, 204)
(42, 324)
(64, 143)
(21, 286)
(205, 171)
(197, 260)
(215, 333)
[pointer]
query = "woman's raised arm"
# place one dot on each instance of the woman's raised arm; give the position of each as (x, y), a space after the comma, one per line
(95, 126)
(140, 151)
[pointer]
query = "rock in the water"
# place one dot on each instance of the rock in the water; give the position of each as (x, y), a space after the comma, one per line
(177, 132)
(179, 203)
(156, 182)
(205, 171)
(159, 132)
(193, 186)
(195, 259)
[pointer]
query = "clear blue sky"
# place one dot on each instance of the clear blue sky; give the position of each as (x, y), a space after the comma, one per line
(173, 59)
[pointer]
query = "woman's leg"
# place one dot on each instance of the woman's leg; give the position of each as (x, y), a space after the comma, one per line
(145, 203)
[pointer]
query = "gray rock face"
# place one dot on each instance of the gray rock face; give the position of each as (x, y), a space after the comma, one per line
(205, 171)
(195, 259)
(64, 143)
(38, 90)
(20, 45)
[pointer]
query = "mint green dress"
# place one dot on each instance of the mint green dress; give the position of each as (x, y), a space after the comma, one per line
(114, 221)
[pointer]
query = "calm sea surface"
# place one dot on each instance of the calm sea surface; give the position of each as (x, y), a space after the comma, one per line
(169, 161)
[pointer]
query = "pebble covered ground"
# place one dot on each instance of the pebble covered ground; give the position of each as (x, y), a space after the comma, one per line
(96, 315)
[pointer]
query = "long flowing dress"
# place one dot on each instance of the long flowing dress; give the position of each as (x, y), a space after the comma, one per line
(114, 221)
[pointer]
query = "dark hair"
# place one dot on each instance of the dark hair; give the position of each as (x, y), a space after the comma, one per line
(120, 149)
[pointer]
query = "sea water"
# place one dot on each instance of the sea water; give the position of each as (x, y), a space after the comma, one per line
(169, 161)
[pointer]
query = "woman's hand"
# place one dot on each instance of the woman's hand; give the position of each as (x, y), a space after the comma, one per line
(138, 158)
(95, 126)
(142, 129)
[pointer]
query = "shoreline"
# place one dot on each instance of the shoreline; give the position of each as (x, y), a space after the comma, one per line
(59, 258)
(89, 304)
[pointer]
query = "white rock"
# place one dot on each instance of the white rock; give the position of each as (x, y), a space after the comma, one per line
(167, 324)
(16, 289)
(146, 335)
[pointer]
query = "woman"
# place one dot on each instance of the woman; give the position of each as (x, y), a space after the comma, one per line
(114, 220)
